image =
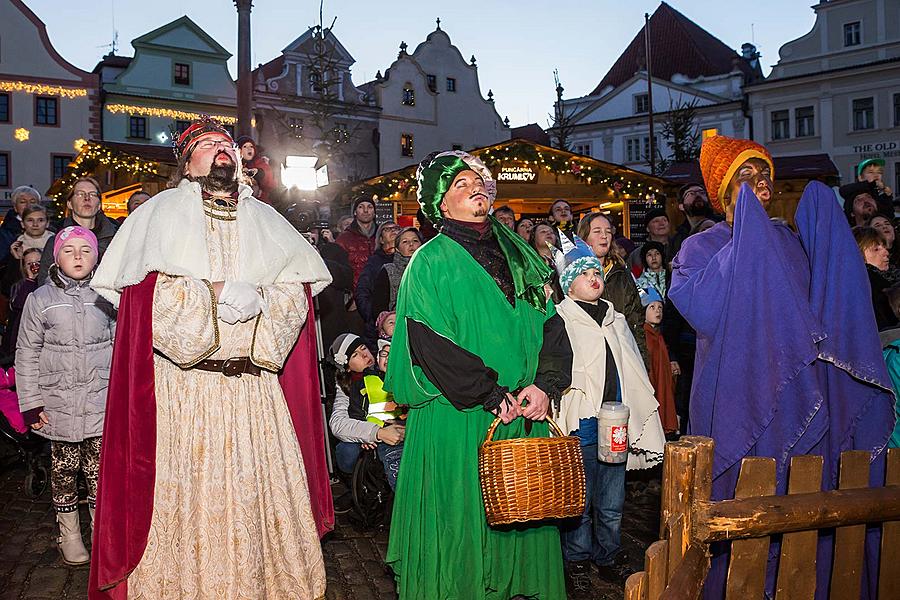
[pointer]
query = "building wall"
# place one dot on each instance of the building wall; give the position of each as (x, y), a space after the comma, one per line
(864, 72)
(440, 119)
(27, 56)
(149, 83)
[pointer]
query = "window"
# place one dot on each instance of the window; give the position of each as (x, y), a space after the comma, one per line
(46, 111)
(409, 95)
(641, 104)
(583, 148)
(59, 164)
(451, 84)
(181, 126)
(406, 144)
(315, 81)
(804, 118)
(432, 82)
(863, 114)
(852, 34)
(182, 74)
(137, 127)
(896, 110)
(4, 108)
(707, 133)
(781, 122)
(4, 170)
(637, 149)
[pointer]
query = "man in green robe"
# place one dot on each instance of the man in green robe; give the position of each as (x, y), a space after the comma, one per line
(475, 337)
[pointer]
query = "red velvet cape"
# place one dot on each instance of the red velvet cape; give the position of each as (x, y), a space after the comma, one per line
(128, 455)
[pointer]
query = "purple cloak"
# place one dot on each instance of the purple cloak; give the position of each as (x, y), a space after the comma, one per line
(788, 356)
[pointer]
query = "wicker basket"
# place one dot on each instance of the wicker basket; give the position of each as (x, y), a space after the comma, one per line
(529, 479)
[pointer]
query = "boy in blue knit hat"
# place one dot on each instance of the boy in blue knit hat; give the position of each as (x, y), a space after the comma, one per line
(606, 367)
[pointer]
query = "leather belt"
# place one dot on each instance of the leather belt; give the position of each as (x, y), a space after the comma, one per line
(232, 367)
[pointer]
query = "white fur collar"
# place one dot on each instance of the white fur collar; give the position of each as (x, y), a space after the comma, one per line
(167, 234)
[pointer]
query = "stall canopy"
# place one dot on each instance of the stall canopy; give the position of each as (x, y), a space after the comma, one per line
(530, 176)
(120, 168)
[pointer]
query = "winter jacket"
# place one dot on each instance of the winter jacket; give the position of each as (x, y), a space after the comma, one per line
(10, 231)
(359, 247)
(63, 357)
(365, 286)
(621, 290)
(104, 228)
(348, 418)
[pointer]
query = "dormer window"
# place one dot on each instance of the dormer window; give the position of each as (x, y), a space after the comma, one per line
(432, 82)
(409, 95)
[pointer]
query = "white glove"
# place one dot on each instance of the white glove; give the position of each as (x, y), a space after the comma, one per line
(243, 298)
(228, 314)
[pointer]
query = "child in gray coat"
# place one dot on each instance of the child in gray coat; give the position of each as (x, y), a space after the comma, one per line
(63, 357)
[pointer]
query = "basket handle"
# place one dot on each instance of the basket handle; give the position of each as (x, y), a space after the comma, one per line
(490, 432)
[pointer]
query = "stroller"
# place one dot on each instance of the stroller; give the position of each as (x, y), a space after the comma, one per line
(31, 449)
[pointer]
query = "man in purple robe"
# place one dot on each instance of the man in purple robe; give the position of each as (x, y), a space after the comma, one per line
(788, 359)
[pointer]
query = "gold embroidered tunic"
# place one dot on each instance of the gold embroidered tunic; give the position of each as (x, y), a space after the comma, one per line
(231, 510)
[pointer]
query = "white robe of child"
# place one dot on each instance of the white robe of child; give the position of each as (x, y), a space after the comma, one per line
(583, 398)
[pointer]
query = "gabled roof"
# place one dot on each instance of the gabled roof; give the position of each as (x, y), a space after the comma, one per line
(342, 55)
(152, 38)
(677, 45)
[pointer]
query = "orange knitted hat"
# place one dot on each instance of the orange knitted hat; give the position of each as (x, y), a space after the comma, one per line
(720, 157)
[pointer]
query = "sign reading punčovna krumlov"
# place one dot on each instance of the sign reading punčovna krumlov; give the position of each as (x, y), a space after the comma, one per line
(517, 174)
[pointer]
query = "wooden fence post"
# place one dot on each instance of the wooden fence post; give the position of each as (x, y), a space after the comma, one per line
(849, 542)
(797, 565)
(747, 566)
(889, 573)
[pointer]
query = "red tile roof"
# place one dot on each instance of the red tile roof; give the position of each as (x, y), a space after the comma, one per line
(677, 45)
(271, 69)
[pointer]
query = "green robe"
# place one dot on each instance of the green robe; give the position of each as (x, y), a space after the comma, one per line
(440, 544)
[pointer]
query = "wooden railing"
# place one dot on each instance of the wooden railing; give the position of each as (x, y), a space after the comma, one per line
(675, 567)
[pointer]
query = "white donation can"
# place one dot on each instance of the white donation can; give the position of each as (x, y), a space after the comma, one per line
(612, 432)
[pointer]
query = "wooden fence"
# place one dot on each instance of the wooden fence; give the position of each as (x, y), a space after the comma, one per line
(675, 567)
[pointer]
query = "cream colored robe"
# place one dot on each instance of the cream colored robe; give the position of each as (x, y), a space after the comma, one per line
(585, 395)
(231, 514)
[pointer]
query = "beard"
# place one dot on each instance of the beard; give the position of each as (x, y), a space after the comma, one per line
(698, 209)
(220, 178)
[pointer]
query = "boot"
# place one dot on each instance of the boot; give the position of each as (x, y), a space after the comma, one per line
(70, 544)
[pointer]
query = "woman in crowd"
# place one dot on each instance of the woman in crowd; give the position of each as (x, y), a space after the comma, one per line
(543, 239)
(524, 228)
(884, 226)
(30, 265)
(597, 231)
(387, 282)
(875, 253)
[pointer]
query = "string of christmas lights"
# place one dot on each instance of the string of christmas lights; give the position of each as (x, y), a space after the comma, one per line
(150, 111)
(86, 163)
(42, 89)
(559, 163)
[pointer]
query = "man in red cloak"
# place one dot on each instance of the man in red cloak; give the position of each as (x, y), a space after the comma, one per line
(204, 490)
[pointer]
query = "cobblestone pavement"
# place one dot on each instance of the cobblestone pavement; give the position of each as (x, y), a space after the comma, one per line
(31, 568)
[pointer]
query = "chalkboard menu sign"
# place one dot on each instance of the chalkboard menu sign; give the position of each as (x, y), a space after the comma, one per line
(637, 215)
(384, 211)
